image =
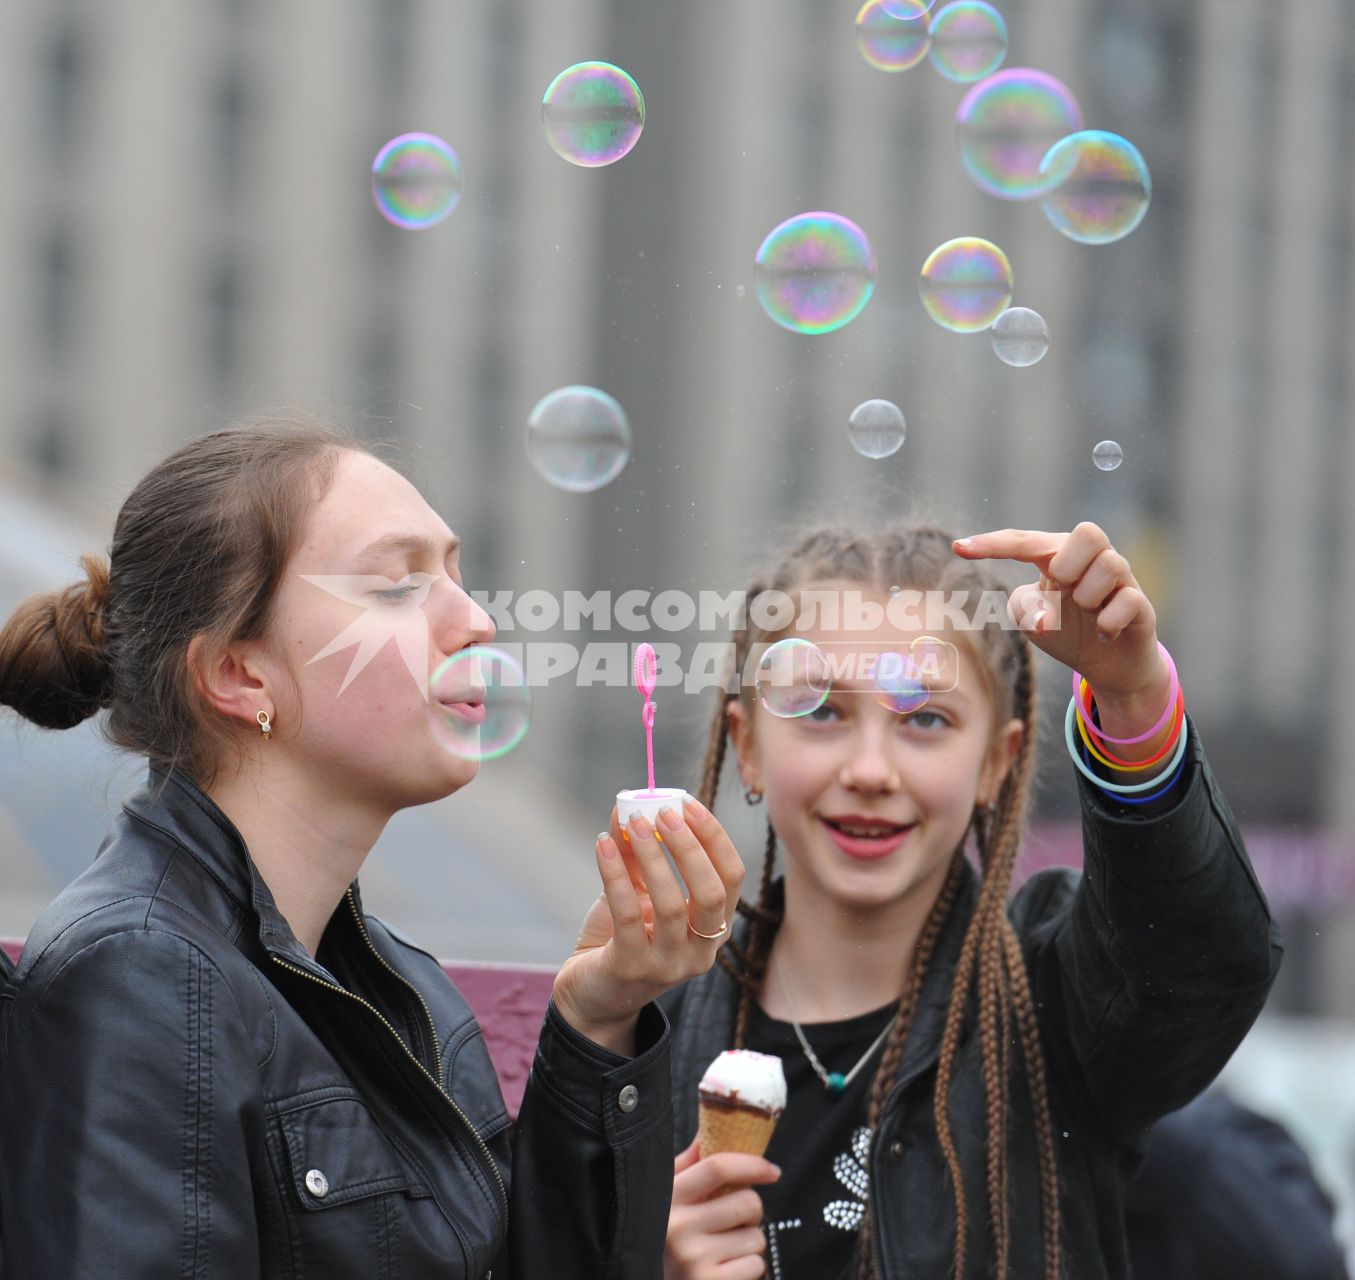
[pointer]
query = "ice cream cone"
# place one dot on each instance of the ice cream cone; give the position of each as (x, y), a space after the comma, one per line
(734, 1128)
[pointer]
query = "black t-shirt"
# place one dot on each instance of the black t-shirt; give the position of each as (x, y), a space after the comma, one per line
(812, 1216)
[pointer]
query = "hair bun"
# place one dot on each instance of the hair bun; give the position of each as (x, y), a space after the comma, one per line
(54, 664)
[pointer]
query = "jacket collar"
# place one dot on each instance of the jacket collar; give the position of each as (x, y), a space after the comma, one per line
(174, 804)
(706, 1022)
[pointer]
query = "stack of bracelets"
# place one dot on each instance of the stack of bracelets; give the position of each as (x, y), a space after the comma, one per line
(1082, 712)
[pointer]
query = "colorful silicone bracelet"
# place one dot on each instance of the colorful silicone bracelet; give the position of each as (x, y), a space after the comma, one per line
(1133, 766)
(1157, 795)
(1127, 788)
(1162, 719)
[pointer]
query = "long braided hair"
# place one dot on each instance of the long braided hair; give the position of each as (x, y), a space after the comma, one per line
(991, 970)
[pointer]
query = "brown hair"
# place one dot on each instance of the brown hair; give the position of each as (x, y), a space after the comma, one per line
(199, 548)
(920, 556)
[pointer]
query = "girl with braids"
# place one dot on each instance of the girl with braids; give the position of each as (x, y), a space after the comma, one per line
(971, 1078)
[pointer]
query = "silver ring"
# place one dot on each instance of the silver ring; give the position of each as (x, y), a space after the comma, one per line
(710, 937)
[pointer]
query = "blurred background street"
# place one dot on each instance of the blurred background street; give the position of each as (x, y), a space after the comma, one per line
(187, 232)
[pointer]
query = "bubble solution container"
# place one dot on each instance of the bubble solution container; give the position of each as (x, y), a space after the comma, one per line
(648, 801)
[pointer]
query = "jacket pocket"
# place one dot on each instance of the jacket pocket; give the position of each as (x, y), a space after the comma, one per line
(337, 1154)
(351, 1201)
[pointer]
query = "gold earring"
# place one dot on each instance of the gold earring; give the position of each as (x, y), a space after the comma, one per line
(265, 725)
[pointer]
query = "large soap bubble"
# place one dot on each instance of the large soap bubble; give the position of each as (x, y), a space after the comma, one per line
(966, 284)
(578, 438)
(592, 113)
(416, 181)
(1098, 187)
(969, 40)
(480, 704)
(815, 272)
(887, 43)
(1005, 125)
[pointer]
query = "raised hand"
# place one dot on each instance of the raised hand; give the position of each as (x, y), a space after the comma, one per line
(1087, 609)
(642, 936)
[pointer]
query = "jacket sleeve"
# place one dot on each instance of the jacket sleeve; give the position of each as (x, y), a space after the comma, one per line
(1164, 959)
(593, 1157)
(120, 1083)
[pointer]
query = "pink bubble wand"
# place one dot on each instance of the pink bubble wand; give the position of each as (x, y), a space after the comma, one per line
(646, 681)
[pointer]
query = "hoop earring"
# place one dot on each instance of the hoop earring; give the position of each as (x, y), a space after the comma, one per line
(752, 797)
(265, 725)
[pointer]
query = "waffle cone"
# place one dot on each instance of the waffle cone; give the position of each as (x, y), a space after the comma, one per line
(745, 1129)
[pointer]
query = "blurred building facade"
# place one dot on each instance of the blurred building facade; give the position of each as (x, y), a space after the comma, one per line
(190, 234)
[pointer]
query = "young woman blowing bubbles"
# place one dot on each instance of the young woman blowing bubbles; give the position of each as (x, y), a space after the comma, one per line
(971, 1079)
(213, 1062)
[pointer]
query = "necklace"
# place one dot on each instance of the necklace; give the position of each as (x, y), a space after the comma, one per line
(834, 1082)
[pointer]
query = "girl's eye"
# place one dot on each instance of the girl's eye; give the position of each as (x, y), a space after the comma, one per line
(932, 719)
(822, 713)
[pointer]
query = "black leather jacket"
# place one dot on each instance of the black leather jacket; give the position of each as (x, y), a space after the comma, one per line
(184, 1092)
(1147, 970)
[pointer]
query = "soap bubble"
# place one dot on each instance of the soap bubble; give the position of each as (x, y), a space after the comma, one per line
(815, 272)
(1020, 337)
(887, 43)
(876, 428)
(898, 684)
(1107, 455)
(578, 438)
(1098, 187)
(495, 704)
(416, 181)
(966, 284)
(906, 10)
(1005, 126)
(792, 678)
(969, 40)
(592, 113)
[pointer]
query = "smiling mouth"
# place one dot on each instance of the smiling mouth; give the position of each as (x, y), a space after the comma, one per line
(866, 839)
(868, 830)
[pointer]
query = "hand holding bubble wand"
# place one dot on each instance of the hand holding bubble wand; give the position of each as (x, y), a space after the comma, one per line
(653, 798)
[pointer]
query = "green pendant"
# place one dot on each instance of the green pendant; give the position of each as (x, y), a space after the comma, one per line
(837, 1084)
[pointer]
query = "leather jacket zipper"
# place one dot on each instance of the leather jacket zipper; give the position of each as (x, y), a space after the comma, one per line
(461, 1115)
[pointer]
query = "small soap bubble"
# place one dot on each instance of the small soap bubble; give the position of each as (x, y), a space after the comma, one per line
(969, 40)
(578, 438)
(479, 703)
(877, 428)
(815, 272)
(907, 10)
(593, 114)
(1107, 455)
(898, 684)
(888, 43)
(792, 678)
(1098, 187)
(966, 284)
(416, 181)
(1020, 337)
(1005, 126)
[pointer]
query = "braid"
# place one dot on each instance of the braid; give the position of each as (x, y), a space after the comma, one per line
(761, 930)
(892, 1058)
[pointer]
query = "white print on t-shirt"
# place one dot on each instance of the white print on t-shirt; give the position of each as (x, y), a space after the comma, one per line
(853, 1171)
(774, 1230)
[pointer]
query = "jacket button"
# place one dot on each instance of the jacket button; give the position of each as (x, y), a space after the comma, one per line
(628, 1099)
(317, 1184)
(896, 1149)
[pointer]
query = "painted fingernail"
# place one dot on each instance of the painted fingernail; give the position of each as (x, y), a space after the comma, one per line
(696, 808)
(606, 848)
(668, 816)
(964, 542)
(640, 826)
